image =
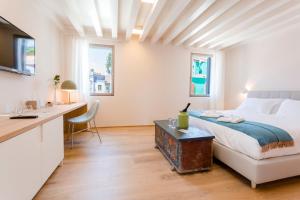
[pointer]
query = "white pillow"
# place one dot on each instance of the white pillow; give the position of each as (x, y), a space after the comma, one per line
(260, 105)
(289, 108)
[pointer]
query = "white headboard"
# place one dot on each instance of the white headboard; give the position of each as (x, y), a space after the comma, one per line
(275, 94)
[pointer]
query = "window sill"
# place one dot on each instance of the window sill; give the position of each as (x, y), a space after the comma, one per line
(199, 95)
(100, 94)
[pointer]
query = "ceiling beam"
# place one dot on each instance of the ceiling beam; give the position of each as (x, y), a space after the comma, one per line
(73, 18)
(175, 11)
(115, 16)
(51, 11)
(64, 8)
(95, 17)
(239, 24)
(134, 10)
(271, 18)
(189, 16)
(206, 18)
(156, 9)
(76, 25)
(235, 12)
(288, 22)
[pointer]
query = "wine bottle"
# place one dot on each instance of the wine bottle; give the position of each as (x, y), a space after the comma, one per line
(186, 108)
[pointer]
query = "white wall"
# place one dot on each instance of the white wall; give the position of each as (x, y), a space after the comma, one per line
(268, 63)
(151, 82)
(16, 88)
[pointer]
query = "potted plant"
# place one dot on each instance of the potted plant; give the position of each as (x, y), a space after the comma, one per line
(56, 81)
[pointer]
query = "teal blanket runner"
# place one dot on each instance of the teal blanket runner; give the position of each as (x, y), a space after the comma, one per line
(268, 136)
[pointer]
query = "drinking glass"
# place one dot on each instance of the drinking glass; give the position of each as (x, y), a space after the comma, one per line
(19, 109)
(174, 123)
(170, 122)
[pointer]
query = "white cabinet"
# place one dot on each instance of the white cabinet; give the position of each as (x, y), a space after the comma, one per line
(27, 160)
(52, 148)
(20, 166)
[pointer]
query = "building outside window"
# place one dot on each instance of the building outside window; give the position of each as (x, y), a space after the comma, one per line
(101, 70)
(200, 75)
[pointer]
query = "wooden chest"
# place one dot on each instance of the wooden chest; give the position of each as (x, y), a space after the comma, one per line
(186, 152)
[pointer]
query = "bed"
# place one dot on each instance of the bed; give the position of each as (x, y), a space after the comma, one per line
(243, 154)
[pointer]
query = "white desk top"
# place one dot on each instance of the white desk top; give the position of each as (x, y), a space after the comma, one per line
(10, 128)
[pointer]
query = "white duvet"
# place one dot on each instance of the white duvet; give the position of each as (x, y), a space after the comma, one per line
(247, 145)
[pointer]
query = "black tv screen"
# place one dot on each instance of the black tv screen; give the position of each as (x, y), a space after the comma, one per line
(17, 49)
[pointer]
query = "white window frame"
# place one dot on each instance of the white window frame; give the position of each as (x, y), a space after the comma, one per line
(112, 70)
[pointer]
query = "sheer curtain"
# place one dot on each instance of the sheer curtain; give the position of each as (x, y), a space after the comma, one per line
(79, 69)
(217, 82)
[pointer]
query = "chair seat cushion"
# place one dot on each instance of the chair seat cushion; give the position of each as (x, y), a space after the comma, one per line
(78, 120)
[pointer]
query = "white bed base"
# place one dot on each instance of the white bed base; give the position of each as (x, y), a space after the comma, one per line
(266, 170)
(258, 171)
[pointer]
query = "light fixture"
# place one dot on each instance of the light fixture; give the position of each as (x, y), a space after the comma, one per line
(137, 31)
(149, 1)
(68, 86)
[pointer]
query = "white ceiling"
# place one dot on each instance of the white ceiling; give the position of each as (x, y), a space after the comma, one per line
(213, 24)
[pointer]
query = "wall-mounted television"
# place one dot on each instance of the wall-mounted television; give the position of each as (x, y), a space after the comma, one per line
(17, 49)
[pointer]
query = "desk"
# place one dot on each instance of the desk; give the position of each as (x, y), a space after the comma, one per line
(11, 128)
(31, 149)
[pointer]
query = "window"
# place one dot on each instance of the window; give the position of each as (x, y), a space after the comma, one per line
(200, 75)
(101, 70)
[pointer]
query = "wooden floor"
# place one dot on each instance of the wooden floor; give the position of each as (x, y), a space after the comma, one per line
(127, 167)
